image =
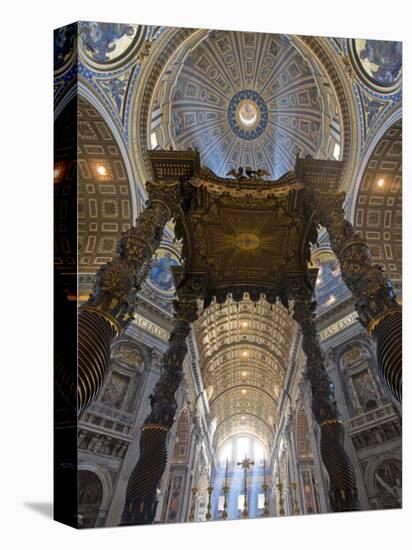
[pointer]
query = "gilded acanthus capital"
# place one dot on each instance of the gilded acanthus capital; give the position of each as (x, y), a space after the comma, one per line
(118, 281)
(168, 194)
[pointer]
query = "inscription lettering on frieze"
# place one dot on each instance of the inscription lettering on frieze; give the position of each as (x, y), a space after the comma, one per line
(338, 326)
(151, 327)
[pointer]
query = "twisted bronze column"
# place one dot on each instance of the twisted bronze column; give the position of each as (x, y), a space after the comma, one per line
(141, 495)
(376, 303)
(342, 481)
(111, 304)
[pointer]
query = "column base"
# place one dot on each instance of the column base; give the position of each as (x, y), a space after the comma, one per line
(141, 501)
(342, 481)
(344, 501)
(139, 512)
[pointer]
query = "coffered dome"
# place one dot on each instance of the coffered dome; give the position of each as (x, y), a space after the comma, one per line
(247, 99)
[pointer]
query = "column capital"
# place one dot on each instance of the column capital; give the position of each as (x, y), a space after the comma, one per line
(118, 281)
(167, 193)
(319, 203)
(186, 309)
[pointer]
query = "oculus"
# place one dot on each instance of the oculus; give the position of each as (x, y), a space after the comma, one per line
(243, 100)
(247, 114)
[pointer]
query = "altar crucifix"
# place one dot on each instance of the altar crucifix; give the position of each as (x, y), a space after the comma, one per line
(246, 464)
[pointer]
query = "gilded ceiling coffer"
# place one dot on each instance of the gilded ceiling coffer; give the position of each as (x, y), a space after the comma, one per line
(376, 304)
(342, 481)
(141, 495)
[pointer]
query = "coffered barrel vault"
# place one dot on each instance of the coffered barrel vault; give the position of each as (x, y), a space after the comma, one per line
(379, 204)
(105, 209)
(245, 349)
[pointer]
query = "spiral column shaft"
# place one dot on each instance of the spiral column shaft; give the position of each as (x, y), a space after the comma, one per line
(141, 494)
(111, 305)
(94, 340)
(375, 303)
(342, 481)
(388, 336)
(141, 497)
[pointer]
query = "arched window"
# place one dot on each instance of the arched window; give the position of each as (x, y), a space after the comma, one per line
(237, 447)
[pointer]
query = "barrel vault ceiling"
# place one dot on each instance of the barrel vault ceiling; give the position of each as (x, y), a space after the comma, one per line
(104, 196)
(244, 351)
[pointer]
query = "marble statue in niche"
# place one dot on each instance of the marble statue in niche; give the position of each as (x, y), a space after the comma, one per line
(362, 392)
(111, 393)
(129, 356)
(365, 390)
(115, 390)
